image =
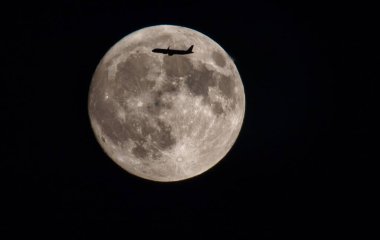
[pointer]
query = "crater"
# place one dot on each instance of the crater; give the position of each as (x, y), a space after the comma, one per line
(157, 103)
(226, 86)
(218, 59)
(163, 136)
(171, 85)
(177, 66)
(154, 108)
(217, 108)
(199, 82)
(139, 151)
(156, 138)
(131, 75)
(106, 114)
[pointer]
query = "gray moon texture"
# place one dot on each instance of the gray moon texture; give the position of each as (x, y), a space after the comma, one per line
(166, 118)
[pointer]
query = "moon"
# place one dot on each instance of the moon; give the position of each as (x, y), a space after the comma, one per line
(166, 118)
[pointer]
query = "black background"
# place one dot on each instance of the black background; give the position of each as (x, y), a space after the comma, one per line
(308, 73)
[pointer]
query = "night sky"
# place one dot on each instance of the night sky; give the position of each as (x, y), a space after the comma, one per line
(307, 70)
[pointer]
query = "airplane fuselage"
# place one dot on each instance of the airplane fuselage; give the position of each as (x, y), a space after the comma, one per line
(171, 52)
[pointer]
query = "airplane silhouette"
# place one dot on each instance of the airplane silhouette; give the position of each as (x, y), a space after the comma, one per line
(171, 52)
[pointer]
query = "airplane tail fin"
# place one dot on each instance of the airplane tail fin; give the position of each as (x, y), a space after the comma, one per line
(190, 50)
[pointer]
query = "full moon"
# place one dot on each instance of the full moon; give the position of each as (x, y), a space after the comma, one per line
(166, 118)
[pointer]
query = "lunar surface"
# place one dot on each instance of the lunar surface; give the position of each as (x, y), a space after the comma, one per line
(166, 118)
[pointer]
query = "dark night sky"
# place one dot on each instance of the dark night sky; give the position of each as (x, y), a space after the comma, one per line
(307, 69)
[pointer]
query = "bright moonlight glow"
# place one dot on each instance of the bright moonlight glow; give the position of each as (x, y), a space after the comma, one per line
(166, 118)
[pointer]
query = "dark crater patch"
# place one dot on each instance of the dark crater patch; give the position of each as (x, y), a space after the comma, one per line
(217, 108)
(154, 108)
(105, 114)
(157, 104)
(199, 82)
(226, 86)
(131, 75)
(177, 66)
(218, 59)
(170, 86)
(139, 151)
(163, 136)
(156, 155)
